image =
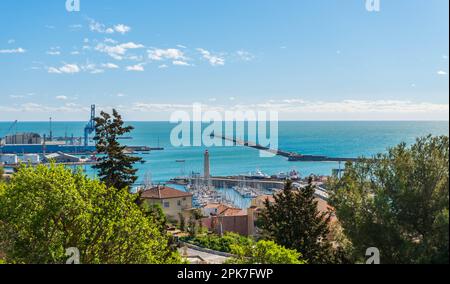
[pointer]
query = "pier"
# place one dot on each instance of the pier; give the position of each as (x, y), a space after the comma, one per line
(230, 182)
(292, 156)
(72, 164)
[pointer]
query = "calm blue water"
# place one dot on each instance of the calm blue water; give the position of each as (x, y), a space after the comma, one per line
(336, 139)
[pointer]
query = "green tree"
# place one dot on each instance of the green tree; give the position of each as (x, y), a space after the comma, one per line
(398, 202)
(156, 215)
(264, 252)
(2, 172)
(45, 210)
(222, 244)
(192, 227)
(114, 165)
(182, 220)
(295, 222)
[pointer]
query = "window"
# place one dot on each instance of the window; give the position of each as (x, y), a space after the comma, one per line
(179, 202)
(166, 204)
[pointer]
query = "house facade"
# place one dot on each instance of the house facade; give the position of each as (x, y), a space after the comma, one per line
(173, 202)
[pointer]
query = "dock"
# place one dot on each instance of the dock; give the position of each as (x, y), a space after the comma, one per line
(73, 164)
(230, 182)
(292, 156)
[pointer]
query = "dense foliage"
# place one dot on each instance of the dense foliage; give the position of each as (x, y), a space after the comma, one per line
(248, 251)
(115, 167)
(218, 243)
(399, 203)
(295, 222)
(46, 210)
(264, 252)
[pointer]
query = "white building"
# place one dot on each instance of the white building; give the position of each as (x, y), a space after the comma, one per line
(61, 158)
(31, 159)
(9, 159)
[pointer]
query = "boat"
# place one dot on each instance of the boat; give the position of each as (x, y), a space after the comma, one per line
(256, 175)
(294, 175)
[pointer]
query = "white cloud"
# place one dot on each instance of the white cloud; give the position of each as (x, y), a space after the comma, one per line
(11, 51)
(162, 54)
(350, 106)
(136, 68)
(92, 68)
(180, 63)
(302, 110)
(120, 95)
(11, 41)
(54, 52)
(122, 29)
(61, 98)
(110, 66)
(442, 73)
(66, 69)
(117, 51)
(245, 55)
(98, 27)
(214, 60)
(163, 66)
(292, 101)
(135, 58)
(145, 107)
(95, 26)
(110, 40)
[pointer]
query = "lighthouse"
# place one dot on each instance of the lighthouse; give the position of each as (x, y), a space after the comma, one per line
(207, 173)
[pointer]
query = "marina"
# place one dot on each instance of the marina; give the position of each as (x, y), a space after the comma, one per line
(360, 139)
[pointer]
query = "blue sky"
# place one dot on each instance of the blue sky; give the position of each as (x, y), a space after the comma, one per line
(307, 59)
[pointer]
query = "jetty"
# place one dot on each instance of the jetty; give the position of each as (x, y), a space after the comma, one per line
(292, 156)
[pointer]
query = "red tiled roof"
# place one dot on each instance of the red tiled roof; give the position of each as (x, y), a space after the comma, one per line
(164, 192)
(225, 210)
(234, 212)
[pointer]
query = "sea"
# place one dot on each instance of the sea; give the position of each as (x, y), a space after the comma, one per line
(328, 138)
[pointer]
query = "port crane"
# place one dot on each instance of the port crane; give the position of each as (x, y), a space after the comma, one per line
(13, 126)
(90, 127)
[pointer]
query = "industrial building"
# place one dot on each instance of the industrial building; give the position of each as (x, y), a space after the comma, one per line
(31, 159)
(33, 143)
(23, 139)
(61, 158)
(9, 159)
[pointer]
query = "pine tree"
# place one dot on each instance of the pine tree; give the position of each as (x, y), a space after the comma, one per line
(398, 202)
(295, 222)
(114, 165)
